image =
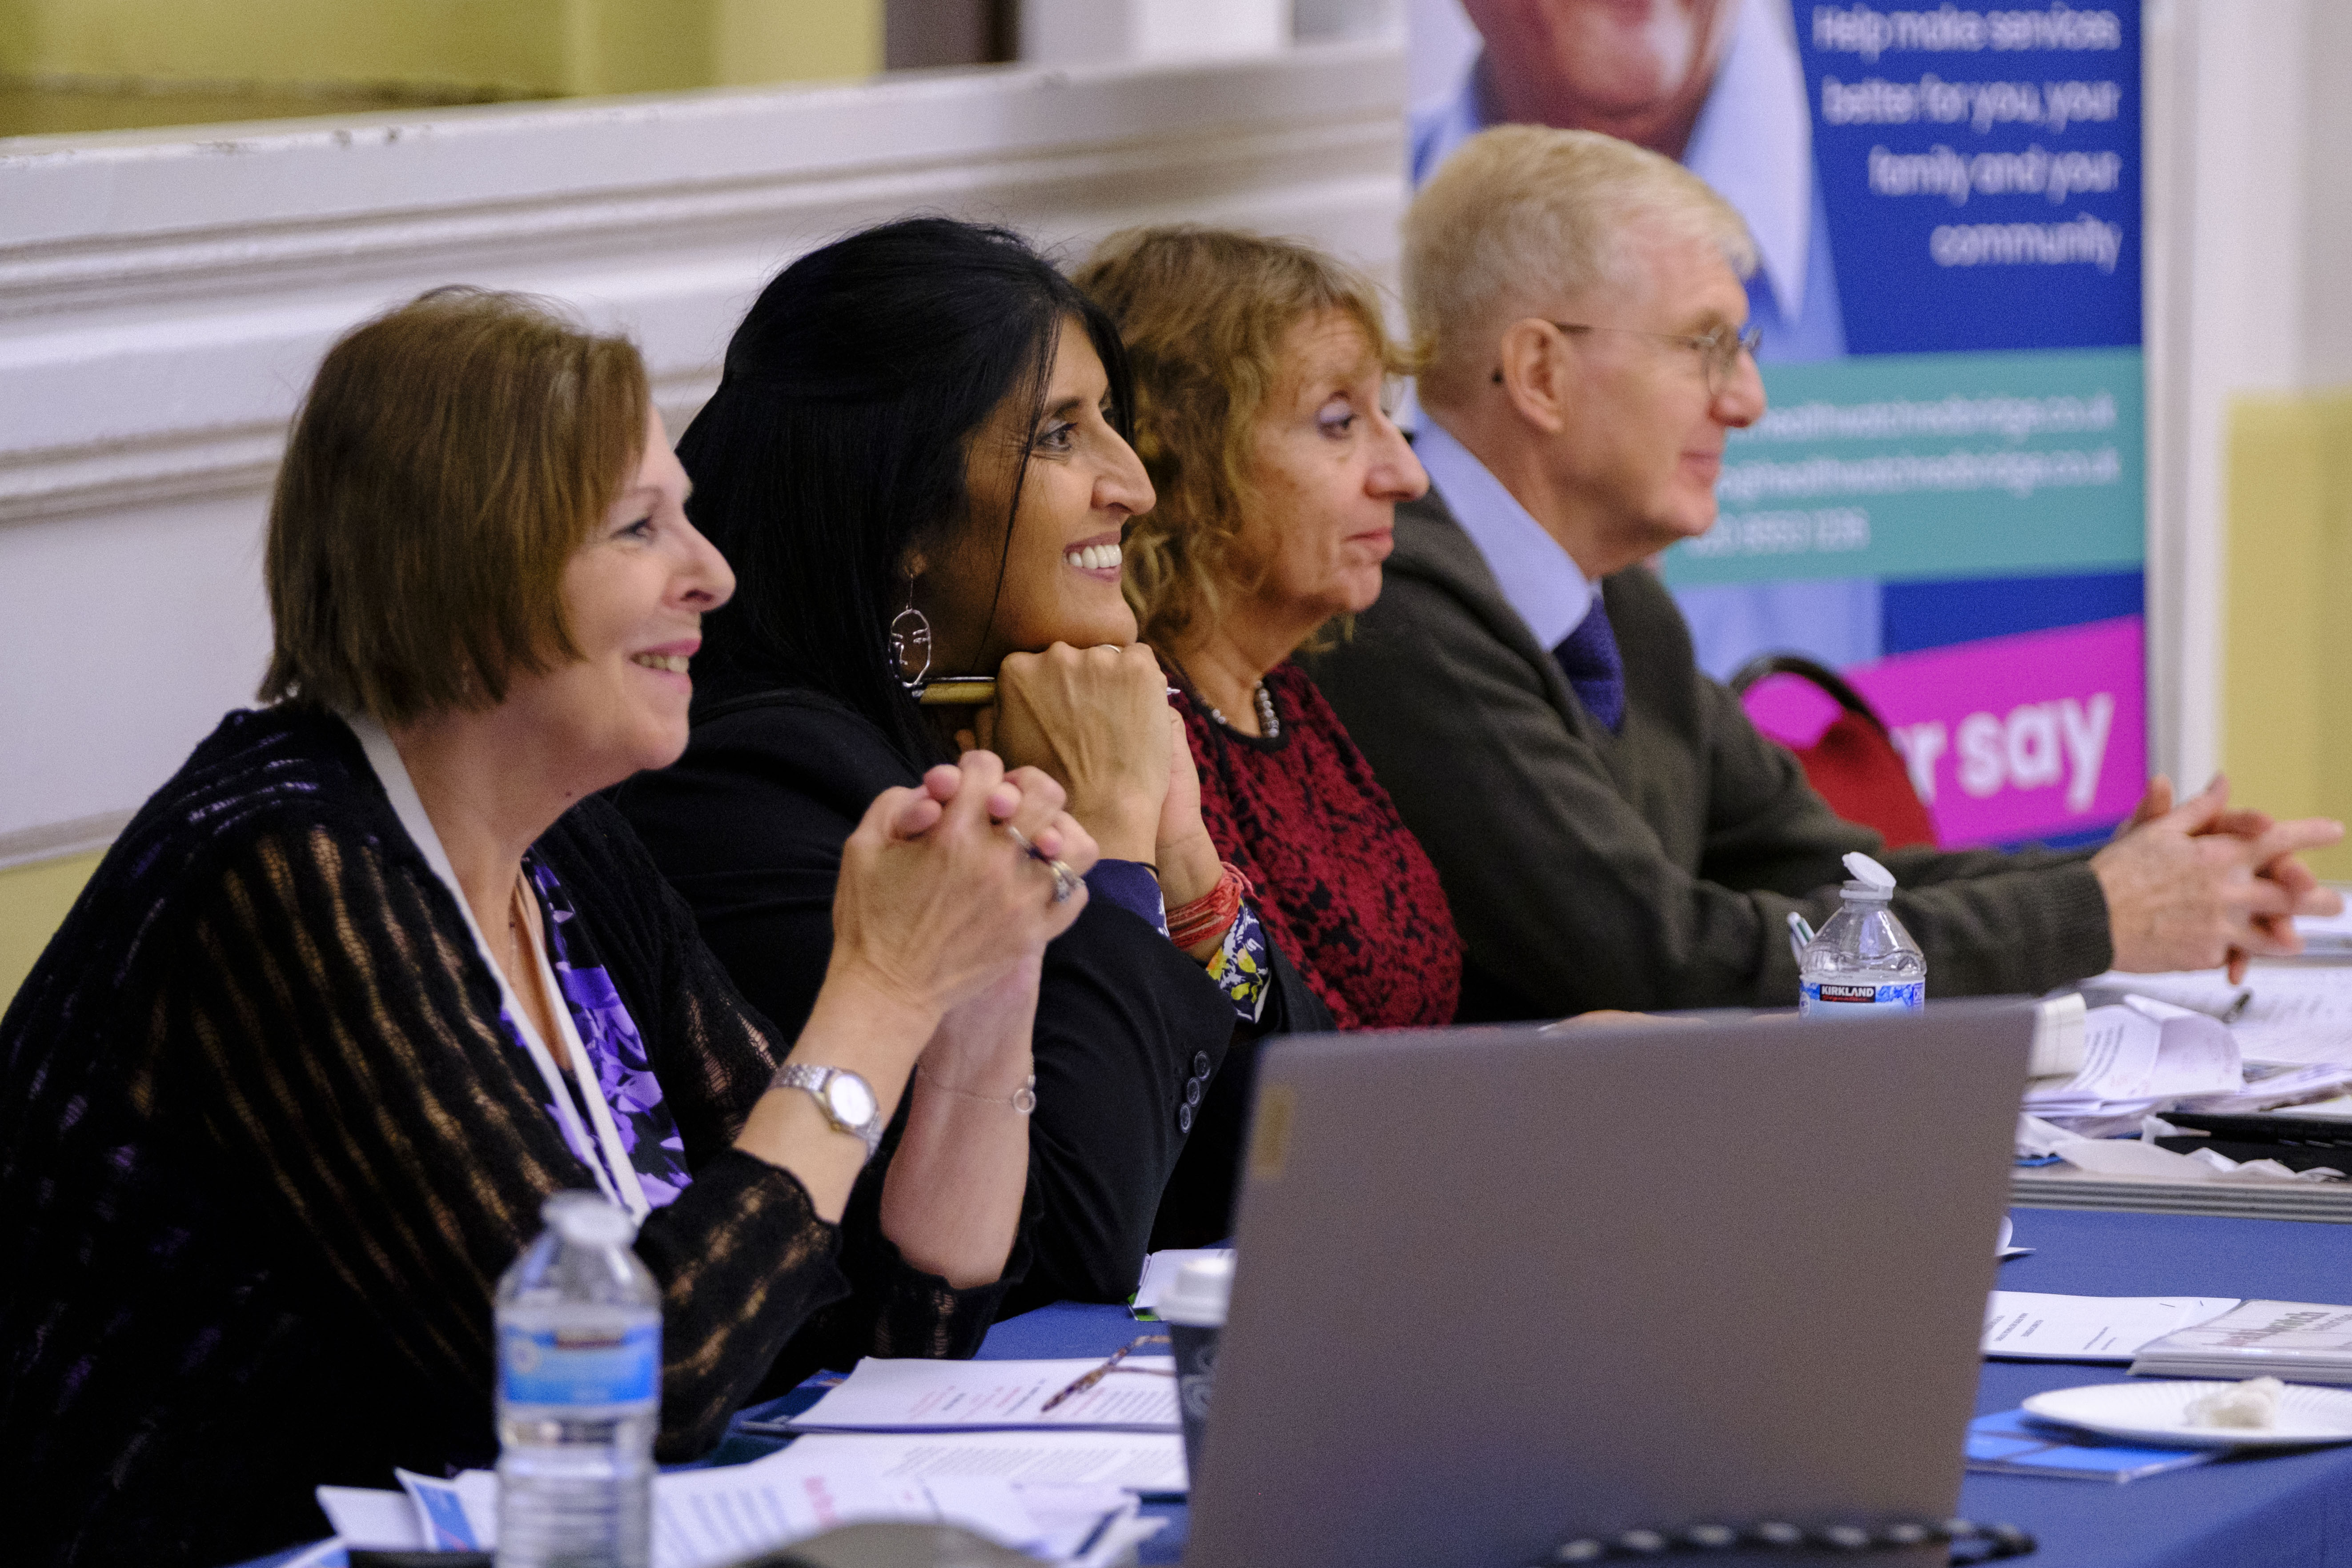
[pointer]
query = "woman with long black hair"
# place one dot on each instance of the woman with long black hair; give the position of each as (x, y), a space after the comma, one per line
(918, 463)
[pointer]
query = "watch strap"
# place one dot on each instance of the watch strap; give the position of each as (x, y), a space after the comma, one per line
(815, 1080)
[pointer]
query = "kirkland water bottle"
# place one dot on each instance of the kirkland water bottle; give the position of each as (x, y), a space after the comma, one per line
(1863, 957)
(579, 1394)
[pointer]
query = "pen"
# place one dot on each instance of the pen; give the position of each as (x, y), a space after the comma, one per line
(966, 691)
(1090, 1379)
(1801, 935)
(959, 692)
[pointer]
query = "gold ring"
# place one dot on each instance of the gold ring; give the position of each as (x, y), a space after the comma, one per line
(1066, 881)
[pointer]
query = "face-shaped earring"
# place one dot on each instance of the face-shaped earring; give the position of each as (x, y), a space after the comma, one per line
(910, 642)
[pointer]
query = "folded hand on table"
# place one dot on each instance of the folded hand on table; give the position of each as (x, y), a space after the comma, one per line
(2198, 884)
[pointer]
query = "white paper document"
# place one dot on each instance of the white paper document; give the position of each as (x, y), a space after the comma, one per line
(456, 1514)
(2300, 1014)
(2294, 1014)
(706, 1518)
(1064, 1511)
(2024, 1325)
(917, 1395)
(2142, 1050)
(1138, 1461)
(2272, 1086)
(2138, 1055)
(379, 1521)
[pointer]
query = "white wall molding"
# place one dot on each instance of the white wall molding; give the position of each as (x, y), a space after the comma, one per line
(163, 300)
(56, 840)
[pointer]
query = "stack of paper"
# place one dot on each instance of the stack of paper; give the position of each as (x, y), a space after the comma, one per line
(2242, 1194)
(2027, 1325)
(2270, 1086)
(2138, 1055)
(1138, 1394)
(2294, 1014)
(705, 1517)
(1151, 1463)
(2297, 1341)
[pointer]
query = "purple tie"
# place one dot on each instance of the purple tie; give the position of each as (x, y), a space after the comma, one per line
(1588, 658)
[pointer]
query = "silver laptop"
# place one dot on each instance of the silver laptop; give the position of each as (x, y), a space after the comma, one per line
(1498, 1290)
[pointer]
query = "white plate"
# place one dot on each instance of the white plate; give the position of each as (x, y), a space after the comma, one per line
(2155, 1414)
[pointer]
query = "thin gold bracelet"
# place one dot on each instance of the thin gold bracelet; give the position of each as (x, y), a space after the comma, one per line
(1022, 1099)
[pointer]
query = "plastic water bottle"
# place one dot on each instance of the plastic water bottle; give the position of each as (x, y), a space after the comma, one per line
(1863, 958)
(578, 1323)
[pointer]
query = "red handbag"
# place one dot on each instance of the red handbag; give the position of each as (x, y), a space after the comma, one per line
(1852, 763)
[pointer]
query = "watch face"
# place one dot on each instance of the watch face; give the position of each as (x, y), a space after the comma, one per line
(852, 1101)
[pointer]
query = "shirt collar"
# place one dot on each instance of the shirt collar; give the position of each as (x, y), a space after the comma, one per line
(1754, 143)
(1538, 579)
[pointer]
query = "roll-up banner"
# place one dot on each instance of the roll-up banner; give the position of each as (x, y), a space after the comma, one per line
(1946, 498)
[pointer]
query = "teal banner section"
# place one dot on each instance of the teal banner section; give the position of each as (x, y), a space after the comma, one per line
(1928, 465)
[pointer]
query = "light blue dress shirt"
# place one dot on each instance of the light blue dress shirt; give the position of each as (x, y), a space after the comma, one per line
(1538, 579)
(1836, 620)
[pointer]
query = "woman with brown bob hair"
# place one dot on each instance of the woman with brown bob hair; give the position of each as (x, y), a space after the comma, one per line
(377, 973)
(1259, 366)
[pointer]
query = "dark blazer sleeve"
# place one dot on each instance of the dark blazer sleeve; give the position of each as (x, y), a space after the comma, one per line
(1548, 835)
(748, 826)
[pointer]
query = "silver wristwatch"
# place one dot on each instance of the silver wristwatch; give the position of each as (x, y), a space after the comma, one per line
(847, 1099)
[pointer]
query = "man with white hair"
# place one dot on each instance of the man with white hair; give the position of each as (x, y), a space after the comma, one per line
(1610, 830)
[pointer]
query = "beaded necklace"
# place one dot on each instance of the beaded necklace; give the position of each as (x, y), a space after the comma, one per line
(1268, 725)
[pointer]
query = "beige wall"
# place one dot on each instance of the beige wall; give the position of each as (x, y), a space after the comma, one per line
(512, 48)
(2286, 738)
(33, 903)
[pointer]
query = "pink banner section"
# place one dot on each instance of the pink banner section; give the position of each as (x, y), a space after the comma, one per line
(2010, 738)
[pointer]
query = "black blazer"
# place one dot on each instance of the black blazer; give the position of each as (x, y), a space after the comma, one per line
(1131, 1032)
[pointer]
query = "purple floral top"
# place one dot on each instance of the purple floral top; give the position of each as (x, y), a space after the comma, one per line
(623, 1074)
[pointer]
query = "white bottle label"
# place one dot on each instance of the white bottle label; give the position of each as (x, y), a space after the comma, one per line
(1828, 996)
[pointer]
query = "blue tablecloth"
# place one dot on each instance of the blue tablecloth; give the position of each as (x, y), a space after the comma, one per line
(2290, 1511)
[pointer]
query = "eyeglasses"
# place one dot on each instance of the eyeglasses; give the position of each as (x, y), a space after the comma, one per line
(1718, 350)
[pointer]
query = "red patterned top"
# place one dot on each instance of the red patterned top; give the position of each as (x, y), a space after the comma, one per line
(1343, 887)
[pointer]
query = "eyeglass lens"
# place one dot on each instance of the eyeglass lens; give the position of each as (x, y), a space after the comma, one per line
(1722, 351)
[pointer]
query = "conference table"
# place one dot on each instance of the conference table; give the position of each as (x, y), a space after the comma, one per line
(2286, 1510)
(2281, 1510)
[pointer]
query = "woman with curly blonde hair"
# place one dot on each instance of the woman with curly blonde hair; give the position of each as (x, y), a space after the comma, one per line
(1259, 366)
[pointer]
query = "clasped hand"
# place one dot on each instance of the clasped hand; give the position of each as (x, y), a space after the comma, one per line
(2199, 885)
(1097, 719)
(937, 902)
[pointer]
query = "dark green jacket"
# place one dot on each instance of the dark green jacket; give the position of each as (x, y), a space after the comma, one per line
(1654, 868)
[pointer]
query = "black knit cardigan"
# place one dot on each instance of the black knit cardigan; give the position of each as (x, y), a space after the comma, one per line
(266, 1148)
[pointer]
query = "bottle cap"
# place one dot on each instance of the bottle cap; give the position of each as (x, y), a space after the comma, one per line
(1868, 870)
(1197, 1299)
(585, 1219)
